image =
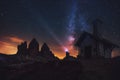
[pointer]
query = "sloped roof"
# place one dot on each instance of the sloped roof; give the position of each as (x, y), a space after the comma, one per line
(99, 39)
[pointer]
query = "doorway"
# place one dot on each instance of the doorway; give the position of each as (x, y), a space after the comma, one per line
(88, 52)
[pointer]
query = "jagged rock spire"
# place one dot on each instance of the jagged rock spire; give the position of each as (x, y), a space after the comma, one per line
(47, 53)
(45, 48)
(33, 47)
(22, 48)
(96, 23)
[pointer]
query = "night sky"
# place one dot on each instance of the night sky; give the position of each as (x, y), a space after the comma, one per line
(55, 22)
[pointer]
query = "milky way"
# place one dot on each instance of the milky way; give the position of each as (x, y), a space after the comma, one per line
(74, 17)
(56, 22)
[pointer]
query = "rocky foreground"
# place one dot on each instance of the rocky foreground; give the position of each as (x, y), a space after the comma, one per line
(58, 70)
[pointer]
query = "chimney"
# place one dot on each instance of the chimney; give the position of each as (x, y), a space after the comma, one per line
(96, 24)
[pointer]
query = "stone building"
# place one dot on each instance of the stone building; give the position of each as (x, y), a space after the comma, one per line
(93, 45)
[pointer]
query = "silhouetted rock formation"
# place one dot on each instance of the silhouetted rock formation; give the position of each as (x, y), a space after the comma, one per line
(32, 53)
(33, 48)
(68, 57)
(46, 53)
(22, 49)
(45, 49)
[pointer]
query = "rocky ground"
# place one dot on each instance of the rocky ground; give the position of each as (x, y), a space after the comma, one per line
(63, 70)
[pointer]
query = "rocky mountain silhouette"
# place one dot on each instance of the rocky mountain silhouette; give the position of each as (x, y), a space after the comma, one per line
(47, 53)
(33, 48)
(33, 53)
(22, 49)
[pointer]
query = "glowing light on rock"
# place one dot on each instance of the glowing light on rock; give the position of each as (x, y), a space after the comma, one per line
(66, 50)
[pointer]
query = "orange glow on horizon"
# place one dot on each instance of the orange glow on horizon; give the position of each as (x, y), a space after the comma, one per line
(61, 54)
(7, 48)
(9, 45)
